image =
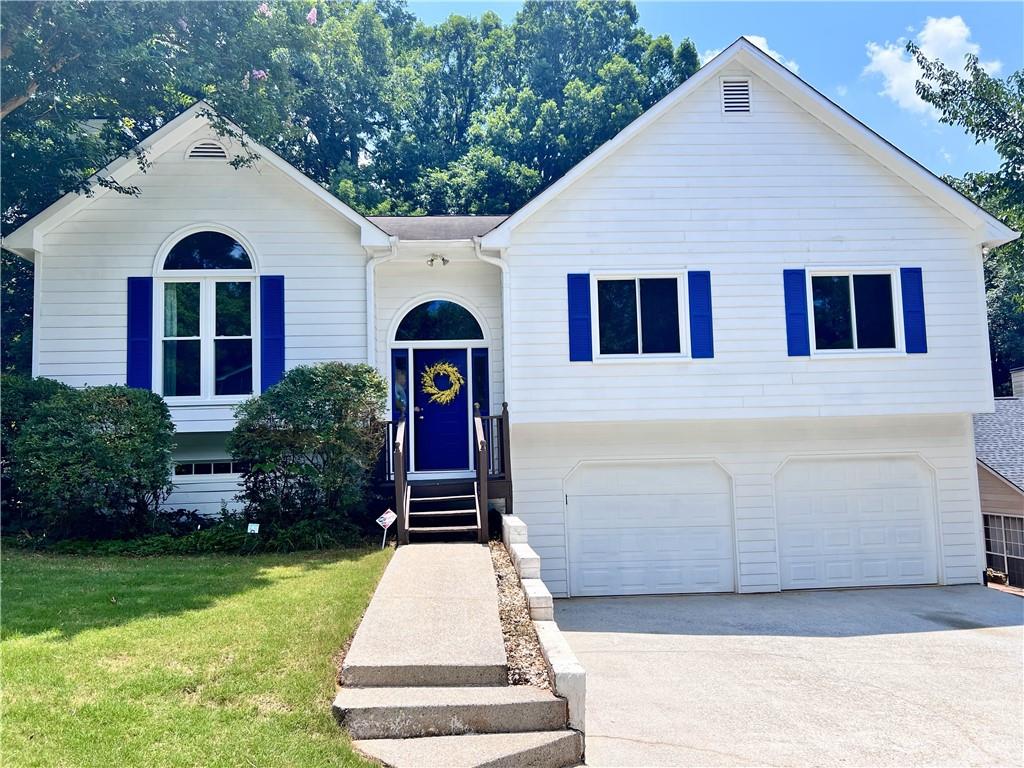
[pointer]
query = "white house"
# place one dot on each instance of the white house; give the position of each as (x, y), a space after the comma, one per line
(741, 342)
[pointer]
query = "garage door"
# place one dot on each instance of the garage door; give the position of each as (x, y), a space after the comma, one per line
(856, 522)
(649, 529)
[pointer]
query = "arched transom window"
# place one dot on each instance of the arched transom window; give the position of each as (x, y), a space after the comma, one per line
(438, 320)
(207, 315)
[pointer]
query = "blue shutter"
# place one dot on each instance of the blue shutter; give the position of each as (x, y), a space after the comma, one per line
(702, 337)
(913, 310)
(580, 341)
(140, 333)
(798, 340)
(271, 330)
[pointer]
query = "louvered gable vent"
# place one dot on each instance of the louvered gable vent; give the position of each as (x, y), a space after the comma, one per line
(735, 95)
(205, 150)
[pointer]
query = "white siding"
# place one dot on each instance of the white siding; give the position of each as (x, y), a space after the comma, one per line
(206, 494)
(86, 261)
(744, 196)
(466, 280)
(752, 453)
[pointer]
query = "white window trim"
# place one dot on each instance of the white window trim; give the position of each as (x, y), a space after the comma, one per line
(897, 309)
(207, 279)
(636, 276)
(186, 479)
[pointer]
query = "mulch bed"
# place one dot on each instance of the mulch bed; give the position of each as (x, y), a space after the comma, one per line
(526, 665)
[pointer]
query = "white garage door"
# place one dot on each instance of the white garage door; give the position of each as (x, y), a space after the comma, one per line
(648, 529)
(856, 522)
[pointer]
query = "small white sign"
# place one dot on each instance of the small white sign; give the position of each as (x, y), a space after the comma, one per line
(385, 520)
(253, 528)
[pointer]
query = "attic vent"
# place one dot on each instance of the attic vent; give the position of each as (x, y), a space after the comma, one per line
(207, 150)
(735, 95)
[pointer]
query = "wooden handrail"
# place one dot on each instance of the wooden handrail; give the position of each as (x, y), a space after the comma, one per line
(401, 483)
(483, 469)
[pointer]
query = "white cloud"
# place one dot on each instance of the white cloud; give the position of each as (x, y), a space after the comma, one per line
(841, 90)
(946, 155)
(946, 39)
(761, 42)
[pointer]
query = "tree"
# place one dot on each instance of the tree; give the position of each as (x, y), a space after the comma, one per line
(392, 116)
(991, 110)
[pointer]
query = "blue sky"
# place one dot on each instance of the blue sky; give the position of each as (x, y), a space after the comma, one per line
(850, 51)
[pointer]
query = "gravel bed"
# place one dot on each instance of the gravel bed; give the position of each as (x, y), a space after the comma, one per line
(526, 665)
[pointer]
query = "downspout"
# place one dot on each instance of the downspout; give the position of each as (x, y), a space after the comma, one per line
(506, 313)
(371, 301)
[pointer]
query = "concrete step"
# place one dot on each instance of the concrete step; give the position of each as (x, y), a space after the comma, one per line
(402, 713)
(545, 749)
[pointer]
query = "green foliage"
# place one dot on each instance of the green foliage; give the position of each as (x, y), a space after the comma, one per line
(394, 117)
(311, 442)
(20, 395)
(224, 535)
(991, 110)
(94, 462)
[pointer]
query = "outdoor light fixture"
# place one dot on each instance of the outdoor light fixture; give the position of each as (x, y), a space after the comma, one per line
(437, 257)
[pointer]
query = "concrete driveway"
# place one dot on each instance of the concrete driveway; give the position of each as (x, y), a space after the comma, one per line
(903, 677)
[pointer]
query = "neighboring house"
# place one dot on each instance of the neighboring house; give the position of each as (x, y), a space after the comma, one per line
(741, 342)
(999, 445)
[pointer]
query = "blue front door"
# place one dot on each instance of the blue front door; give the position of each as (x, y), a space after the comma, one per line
(441, 381)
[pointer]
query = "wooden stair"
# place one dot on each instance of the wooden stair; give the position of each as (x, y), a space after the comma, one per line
(443, 511)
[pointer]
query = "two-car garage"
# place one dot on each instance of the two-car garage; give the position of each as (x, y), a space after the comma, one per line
(657, 527)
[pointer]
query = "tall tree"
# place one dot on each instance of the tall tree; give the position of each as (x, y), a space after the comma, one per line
(992, 111)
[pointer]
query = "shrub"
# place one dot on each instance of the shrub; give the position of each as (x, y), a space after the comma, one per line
(95, 462)
(20, 395)
(226, 535)
(311, 442)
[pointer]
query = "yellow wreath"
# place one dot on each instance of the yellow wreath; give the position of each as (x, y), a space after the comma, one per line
(441, 396)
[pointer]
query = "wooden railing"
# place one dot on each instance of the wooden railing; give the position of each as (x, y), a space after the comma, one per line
(492, 464)
(496, 432)
(397, 470)
(482, 472)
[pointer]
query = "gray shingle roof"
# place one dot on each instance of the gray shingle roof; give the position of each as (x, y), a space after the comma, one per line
(437, 227)
(999, 439)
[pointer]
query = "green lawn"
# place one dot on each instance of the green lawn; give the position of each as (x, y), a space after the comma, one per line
(178, 661)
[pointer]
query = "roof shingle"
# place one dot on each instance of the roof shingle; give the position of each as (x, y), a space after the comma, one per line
(999, 439)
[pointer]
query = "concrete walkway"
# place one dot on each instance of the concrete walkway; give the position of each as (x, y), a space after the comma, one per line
(425, 681)
(432, 621)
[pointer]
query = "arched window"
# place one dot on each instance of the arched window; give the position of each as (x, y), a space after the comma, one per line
(207, 318)
(208, 250)
(438, 320)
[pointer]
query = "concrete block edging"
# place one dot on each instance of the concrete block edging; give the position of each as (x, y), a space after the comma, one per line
(570, 678)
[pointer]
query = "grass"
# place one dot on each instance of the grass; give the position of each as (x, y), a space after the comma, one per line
(178, 661)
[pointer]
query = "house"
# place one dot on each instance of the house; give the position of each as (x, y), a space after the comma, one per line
(741, 343)
(999, 444)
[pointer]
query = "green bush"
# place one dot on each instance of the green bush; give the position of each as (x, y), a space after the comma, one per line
(95, 462)
(20, 395)
(224, 535)
(311, 442)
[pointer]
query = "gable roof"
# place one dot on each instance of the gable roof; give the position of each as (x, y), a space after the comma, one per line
(27, 238)
(999, 440)
(437, 227)
(990, 231)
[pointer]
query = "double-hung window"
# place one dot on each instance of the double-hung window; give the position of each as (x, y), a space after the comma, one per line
(854, 311)
(207, 313)
(639, 315)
